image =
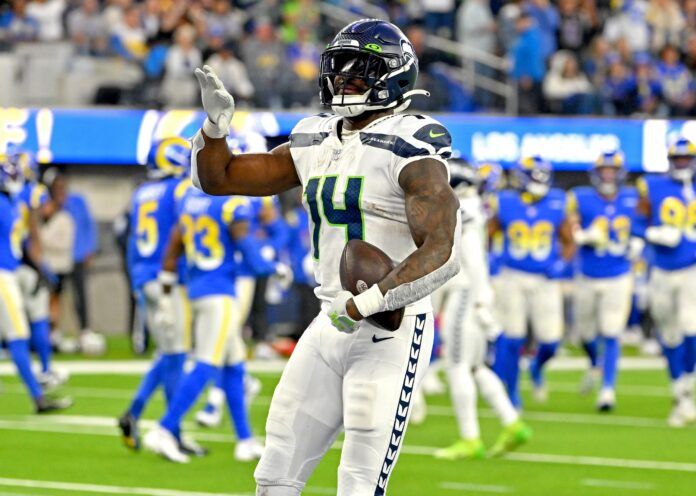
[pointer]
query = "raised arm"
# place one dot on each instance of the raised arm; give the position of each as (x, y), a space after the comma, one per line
(213, 167)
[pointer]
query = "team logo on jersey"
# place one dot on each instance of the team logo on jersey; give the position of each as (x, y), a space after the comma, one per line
(361, 286)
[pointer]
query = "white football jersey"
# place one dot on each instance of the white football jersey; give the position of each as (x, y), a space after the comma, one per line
(351, 188)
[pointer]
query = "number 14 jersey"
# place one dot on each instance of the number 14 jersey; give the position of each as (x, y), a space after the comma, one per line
(351, 186)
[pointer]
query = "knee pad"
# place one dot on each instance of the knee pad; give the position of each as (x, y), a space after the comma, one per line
(360, 407)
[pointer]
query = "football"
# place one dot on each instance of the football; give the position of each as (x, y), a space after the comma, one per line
(363, 265)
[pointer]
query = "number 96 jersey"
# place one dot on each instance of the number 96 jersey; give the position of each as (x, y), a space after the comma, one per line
(672, 203)
(351, 186)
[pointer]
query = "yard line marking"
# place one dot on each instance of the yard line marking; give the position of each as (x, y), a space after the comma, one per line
(105, 489)
(45, 426)
(481, 488)
(615, 484)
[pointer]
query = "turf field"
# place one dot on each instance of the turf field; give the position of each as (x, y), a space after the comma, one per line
(574, 451)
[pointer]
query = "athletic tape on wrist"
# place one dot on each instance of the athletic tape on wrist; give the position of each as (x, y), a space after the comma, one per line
(212, 130)
(167, 278)
(369, 302)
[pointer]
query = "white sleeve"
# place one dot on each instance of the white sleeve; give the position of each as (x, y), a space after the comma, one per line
(474, 263)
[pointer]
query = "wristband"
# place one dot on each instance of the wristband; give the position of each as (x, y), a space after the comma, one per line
(167, 278)
(369, 302)
(212, 130)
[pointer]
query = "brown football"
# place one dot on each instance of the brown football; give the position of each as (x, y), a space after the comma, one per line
(363, 265)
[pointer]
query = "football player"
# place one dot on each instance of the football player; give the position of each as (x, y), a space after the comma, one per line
(368, 173)
(152, 217)
(602, 219)
(35, 280)
(537, 245)
(14, 328)
(669, 203)
(468, 324)
(210, 230)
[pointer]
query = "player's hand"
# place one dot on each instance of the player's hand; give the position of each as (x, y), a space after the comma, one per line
(487, 321)
(592, 236)
(164, 314)
(283, 275)
(339, 314)
(635, 248)
(217, 103)
(665, 235)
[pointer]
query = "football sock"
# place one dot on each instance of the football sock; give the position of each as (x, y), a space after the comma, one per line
(612, 351)
(233, 383)
(19, 351)
(689, 354)
(41, 343)
(494, 393)
(463, 393)
(675, 360)
(216, 394)
(499, 351)
(172, 371)
(544, 353)
(191, 386)
(590, 348)
(513, 348)
(149, 383)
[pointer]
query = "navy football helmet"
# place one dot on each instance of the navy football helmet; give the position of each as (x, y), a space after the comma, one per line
(369, 65)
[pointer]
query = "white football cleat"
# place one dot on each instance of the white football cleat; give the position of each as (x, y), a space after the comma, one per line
(606, 400)
(53, 378)
(188, 446)
(676, 418)
(688, 408)
(209, 417)
(160, 441)
(248, 450)
(92, 343)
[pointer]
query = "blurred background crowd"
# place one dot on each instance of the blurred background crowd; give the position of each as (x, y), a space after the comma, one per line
(611, 57)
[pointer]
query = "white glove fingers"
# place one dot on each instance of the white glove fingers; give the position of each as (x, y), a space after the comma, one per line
(200, 75)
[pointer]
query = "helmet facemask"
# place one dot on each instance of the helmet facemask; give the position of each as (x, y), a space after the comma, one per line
(607, 179)
(682, 167)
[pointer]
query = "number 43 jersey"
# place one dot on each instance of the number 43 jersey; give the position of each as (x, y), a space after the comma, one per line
(351, 186)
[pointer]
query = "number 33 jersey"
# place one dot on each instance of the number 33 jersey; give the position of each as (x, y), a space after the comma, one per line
(351, 186)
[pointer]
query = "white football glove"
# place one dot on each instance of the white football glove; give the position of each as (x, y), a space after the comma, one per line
(217, 103)
(665, 235)
(592, 236)
(487, 321)
(283, 275)
(164, 313)
(339, 315)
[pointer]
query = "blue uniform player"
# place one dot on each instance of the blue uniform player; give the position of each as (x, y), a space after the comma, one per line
(537, 246)
(210, 231)
(669, 203)
(14, 329)
(152, 217)
(603, 219)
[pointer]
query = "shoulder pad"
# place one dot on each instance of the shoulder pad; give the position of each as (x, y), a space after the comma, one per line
(311, 130)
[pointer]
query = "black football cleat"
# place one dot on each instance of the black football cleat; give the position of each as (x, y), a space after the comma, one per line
(129, 431)
(46, 404)
(190, 447)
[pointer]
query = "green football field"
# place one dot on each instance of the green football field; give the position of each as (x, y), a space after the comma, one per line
(575, 451)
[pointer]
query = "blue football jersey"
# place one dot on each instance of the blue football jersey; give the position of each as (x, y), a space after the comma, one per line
(11, 232)
(299, 244)
(530, 230)
(256, 205)
(671, 203)
(210, 249)
(614, 217)
(152, 217)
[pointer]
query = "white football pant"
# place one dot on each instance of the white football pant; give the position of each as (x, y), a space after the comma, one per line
(13, 319)
(178, 339)
(602, 306)
(673, 303)
(36, 300)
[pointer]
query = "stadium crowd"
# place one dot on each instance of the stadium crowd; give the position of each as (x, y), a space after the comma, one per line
(568, 56)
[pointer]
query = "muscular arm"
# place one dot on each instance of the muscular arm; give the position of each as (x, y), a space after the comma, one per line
(431, 210)
(34, 245)
(565, 236)
(175, 248)
(249, 174)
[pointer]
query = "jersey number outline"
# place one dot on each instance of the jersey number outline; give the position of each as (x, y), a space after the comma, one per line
(350, 216)
(535, 240)
(147, 231)
(677, 213)
(621, 227)
(202, 242)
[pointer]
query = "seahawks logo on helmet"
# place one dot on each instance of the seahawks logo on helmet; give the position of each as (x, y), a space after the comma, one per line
(369, 65)
(170, 157)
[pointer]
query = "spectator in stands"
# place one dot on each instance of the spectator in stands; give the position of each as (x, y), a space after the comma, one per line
(232, 72)
(129, 39)
(629, 23)
(566, 88)
(575, 28)
(303, 58)
(225, 21)
(183, 57)
(619, 88)
(264, 58)
(476, 28)
(151, 17)
(595, 61)
(689, 19)
(507, 18)
(528, 65)
(438, 16)
(547, 20)
(666, 22)
(678, 88)
(87, 30)
(49, 15)
(16, 25)
(114, 12)
(648, 86)
(690, 53)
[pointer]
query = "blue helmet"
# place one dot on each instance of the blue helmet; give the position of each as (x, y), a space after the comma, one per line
(373, 60)
(491, 176)
(533, 175)
(681, 155)
(170, 157)
(608, 172)
(11, 177)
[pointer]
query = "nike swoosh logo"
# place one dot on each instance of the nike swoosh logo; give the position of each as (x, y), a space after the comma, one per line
(375, 339)
(436, 135)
